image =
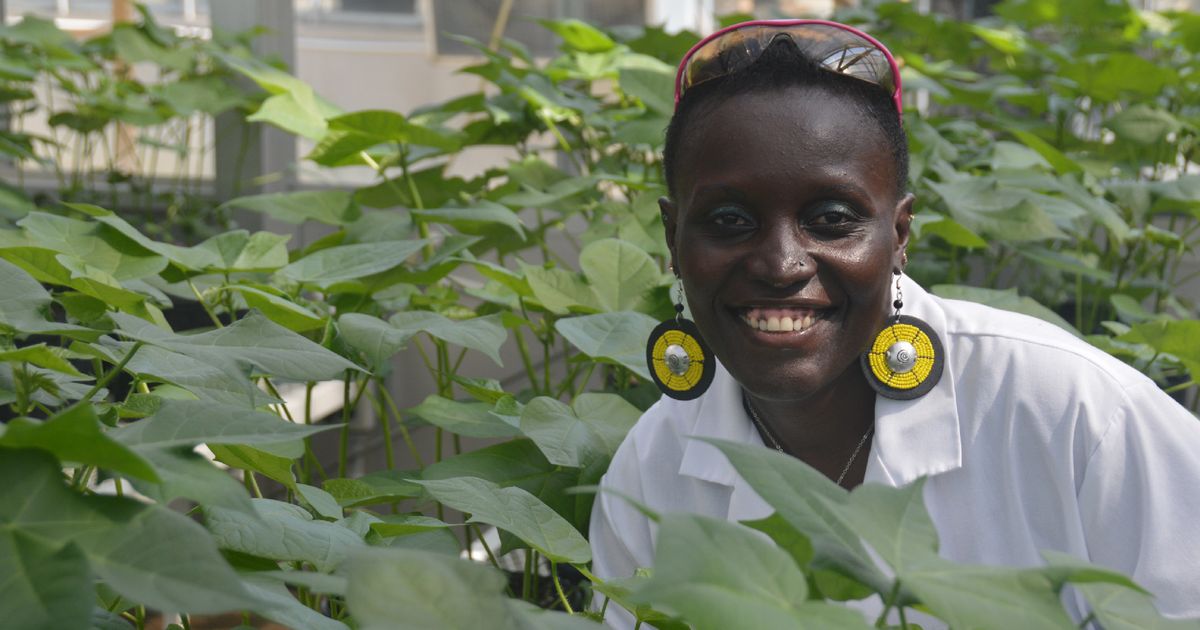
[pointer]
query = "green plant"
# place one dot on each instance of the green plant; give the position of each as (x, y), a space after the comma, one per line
(115, 107)
(1056, 154)
(102, 398)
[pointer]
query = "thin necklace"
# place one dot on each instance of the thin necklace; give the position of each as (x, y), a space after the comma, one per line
(762, 427)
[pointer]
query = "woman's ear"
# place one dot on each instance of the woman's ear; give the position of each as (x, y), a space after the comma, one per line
(669, 215)
(904, 217)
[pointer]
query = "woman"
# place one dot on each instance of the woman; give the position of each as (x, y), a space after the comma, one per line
(787, 223)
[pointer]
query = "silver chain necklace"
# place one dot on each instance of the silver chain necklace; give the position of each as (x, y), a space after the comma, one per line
(762, 427)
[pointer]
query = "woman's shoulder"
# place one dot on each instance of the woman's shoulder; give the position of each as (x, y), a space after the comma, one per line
(985, 340)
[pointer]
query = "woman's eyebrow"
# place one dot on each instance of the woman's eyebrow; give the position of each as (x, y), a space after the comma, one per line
(718, 191)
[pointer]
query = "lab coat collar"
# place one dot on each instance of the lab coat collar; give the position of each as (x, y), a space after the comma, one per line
(913, 438)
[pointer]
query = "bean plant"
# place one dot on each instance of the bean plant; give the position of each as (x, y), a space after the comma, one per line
(152, 469)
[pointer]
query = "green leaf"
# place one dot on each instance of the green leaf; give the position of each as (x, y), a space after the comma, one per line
(278, 308)
(1143, 124)
(1109, 76)
(188, 475)
(810, 502)
(559, 290)
(74, 435)
(739, 581)
(516, 463)
(23, 302)
(380, 126)
(576, 436)
(1062, 568)
(1008, 300)
(618, 338)
(894, 522)
(982, 206)
(192, 422)
(205, 381)
(655, 88)
(332, 207)
(238, 250)
(279, 605)
(208, 94)
(44, 586)
(785, 536)
(283, 531)
(426, 590)
(470, 419)
(1172, 337)
(134, 548)
(480, 218)
(350, 262)
(249, 458)
(1010, 155)
(320, 501)
(619, 273)
(112, 254)
(1119, 608)
(375, 338)
(580, 36)
(41, 355)
(385, 486)
(516, 511)
(948, 230)
(967, 596)
(1057, 159)
(296, 111)
(405, 524)
(483, 334)
(254, 340)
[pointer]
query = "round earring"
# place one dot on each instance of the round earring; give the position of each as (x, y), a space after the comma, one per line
(680, 363)
(906, 358)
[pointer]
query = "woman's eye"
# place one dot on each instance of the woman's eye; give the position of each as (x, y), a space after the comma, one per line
(833, 215)
(730, 218)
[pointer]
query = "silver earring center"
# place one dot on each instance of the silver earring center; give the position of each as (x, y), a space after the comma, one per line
(677, 359)
(901, 357)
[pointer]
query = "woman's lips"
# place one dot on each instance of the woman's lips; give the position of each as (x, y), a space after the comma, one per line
(779, 319)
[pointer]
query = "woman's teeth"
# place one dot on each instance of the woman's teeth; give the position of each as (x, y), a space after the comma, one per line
(779, 320)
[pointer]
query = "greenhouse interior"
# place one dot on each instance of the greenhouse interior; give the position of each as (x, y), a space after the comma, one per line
(335, 313)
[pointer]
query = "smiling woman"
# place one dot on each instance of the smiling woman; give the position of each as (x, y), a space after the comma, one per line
(787, 222)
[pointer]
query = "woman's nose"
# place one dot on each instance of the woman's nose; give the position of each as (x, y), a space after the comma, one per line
(781, 259)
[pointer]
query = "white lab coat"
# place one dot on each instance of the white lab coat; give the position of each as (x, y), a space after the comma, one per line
(1033, 439)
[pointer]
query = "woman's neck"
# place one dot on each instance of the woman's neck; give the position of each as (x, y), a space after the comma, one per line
(823, 430)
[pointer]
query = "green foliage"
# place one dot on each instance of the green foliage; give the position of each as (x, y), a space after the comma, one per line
(1050, 166)
(118, 104)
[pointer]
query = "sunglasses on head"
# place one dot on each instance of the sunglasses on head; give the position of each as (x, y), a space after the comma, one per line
(835, 47)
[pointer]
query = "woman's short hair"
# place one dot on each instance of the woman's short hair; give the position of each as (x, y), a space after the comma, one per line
(781, 66)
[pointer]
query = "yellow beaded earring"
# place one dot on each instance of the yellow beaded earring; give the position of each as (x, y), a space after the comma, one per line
(905, 360)
(680, 364)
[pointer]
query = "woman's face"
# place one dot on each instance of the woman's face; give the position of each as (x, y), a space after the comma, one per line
(787, 216)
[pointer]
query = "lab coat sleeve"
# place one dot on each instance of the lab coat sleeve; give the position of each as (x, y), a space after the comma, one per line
(621, 536)
(1139, 499)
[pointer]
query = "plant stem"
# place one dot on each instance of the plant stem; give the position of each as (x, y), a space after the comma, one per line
(387, 399)
(530, 371)
(486, 547)
(104, 381)
(344, 442)
(558, 587)
(889, 603)
(204, 304)
(527, 580)
(251, 483)
(283, 403)
(385, 424)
